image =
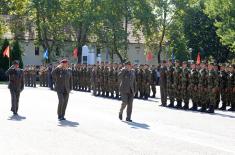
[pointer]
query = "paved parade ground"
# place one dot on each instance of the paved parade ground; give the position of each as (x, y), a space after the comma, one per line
(93, 127)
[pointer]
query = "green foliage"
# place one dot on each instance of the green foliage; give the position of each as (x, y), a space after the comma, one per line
(223, 13)
(16, 53)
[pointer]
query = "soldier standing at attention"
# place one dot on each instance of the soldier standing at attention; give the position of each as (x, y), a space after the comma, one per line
(203, 86)
(223, 86)
(163, 83)
(127, 89)
(212, 87)
(33, 76)
(193, 87)
(185, 85)
(147, 80)
(153, 80)
(177, 84)
(26, 75)
(170, 83)
(62, 76)
(232, 78)
(16, 85)
(116, 81)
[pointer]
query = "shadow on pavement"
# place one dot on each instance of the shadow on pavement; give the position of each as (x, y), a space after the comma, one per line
(136, 125)
(16, 118)
(66, 123)
(212, 114)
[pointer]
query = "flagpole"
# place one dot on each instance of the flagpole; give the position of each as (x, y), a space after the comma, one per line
(9, 57)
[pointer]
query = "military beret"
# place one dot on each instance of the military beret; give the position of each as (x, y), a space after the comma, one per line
(64, 61)
(16, 62)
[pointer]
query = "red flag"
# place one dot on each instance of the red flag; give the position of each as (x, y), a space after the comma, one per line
(198, 58)
(149, 56)
(6, 52)
(75, 52)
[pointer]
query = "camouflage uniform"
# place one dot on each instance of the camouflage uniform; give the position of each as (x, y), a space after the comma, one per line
(106, 81)
(177, 86)
(223, 88)
(163, 85)
(203, 89)
(193, 88)
(170, 83)
(185, 87)
(117, 82)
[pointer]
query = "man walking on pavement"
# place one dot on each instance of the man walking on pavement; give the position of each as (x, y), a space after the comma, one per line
(16, 85)
(127, 89)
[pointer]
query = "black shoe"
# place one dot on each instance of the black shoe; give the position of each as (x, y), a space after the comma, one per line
(223, 107)
(171, 105)
(194, 108)
(163, 104)
(153, 96)
(15, 113)
(211, 109)
(128, 120)
(178, 106)
(185, 107)
(203, 109)
(120, 116)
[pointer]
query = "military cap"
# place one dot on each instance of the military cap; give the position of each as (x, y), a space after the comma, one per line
(16, 62)
(163, 61)
(203, 62)
(185, 62)
(177, 61)
(64, 61)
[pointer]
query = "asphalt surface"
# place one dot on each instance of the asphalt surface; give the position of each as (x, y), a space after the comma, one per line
(93, 127)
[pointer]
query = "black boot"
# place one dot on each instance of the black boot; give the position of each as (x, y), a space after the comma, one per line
(223, 106)
(203, 108)
(179, 105)
(194, 107)
(153, 96)
(211, 109)
(232, 108)
(171, 105)
(186, 107)
(120, 116)
(107, 94)
(112, 96)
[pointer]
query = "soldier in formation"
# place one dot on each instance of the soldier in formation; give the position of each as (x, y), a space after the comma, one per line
(205, 85)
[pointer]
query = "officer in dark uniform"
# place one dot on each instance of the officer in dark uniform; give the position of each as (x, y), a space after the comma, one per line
(16, 85)
(62, 76)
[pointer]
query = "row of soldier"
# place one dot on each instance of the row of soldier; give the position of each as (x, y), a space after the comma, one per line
(205, 84)
(101, 78)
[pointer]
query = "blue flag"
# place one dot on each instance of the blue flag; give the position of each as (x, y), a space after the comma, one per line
(45, 55)
(173, 56)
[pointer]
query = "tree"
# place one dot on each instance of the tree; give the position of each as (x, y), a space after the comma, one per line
(222, 12)
(16, 53)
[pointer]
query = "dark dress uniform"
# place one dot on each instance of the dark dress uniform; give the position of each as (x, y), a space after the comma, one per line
(16, 86)
(63, 86)
(127, 90)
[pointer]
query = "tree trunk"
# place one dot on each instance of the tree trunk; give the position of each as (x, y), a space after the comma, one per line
(162, 37)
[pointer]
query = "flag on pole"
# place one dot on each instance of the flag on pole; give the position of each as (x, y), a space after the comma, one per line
(149, 56)
(6, 52)
(75, 52)
(198, 58)
(45, 55)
